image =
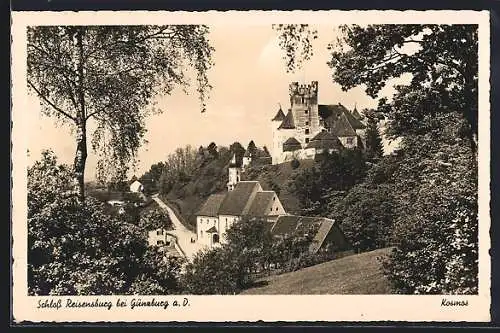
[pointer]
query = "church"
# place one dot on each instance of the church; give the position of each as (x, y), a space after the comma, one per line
(309, 128)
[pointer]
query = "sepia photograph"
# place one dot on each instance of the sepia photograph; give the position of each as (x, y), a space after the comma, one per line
(320, 157)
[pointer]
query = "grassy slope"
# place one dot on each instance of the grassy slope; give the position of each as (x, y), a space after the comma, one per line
(355, 274)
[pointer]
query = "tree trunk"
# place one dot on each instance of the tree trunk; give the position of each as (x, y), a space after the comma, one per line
(81, 131)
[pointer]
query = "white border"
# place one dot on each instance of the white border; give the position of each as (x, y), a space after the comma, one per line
(250, 308)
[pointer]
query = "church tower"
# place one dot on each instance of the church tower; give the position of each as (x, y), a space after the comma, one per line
(304, 105)
(277, 147)
(234, 173)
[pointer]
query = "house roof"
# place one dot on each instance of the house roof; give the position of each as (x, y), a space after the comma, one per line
(279, 116)
(288, 122)
(325, 140)
(288, 224)
(212, 205)
(323, 231)
(291, 144)
(236, 200)
(260, 203)
(342, 127)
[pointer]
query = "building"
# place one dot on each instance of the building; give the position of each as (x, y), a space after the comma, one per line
(136, 187)
(298, 133)
(159, 237)
(221, 211)
(326, 232)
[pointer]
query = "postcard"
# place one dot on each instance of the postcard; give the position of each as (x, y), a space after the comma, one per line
(250, 166)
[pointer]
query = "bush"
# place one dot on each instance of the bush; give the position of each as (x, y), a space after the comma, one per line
(79, 249)
(295, 163)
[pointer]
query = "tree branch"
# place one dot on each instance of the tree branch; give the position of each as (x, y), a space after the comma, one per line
(56, 108)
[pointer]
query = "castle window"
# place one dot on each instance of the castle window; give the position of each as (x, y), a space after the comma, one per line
(307, 123)
(160, 242)
(307, 131)
(307, 140)
(306, 111)
(159, 232)
(276, 208)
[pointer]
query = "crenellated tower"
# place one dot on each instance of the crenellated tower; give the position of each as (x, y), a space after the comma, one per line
(304, 106)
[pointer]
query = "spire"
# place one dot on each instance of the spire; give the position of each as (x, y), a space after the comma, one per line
(279, 115)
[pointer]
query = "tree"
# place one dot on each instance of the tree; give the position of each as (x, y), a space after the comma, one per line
(252, 149)
(110, 75)
(76, 249)
(237, 149)
(212, 150)
(374, 149)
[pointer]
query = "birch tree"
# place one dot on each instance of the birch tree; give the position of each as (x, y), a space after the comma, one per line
(111, 75)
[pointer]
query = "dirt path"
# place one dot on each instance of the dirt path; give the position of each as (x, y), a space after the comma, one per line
(183, 234)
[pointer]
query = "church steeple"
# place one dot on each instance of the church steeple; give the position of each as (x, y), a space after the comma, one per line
(234, 173)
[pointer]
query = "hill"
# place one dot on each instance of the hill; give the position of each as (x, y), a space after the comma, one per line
(210, 176)
(355, 274)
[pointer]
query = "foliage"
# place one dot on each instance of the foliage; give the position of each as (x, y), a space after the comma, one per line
(441, 59)
(111, 74)
(226, 269)
(436, 223)
(374, 149)
(155, 219)
(295, 163)
(76, 249)
(366, 214)
(296, 41)
(178, 167)
(151, 178)
(334, 174)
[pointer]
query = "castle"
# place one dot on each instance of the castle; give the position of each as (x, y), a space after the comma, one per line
(309, 128)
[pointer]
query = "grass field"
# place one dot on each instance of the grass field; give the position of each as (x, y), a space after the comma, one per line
(356, 275)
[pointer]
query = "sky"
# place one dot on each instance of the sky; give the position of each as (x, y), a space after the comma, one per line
(249, 82)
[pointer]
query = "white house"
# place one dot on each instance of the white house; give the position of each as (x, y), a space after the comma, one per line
(159, 237)
(136, 187)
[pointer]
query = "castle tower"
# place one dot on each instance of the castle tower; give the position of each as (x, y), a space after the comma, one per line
(304, 105)
(234, 173)
(277, 139)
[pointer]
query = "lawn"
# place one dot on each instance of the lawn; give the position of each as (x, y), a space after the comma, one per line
(356, 275)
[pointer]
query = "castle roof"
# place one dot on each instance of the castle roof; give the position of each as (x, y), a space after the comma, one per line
(260, 203)
(279, 116)
(330, 114)
(288, 122)
(356, 114)
(291, 144)
(212, 205)
(212, 230)
(237, 200)
(342, 127)
(325, 140)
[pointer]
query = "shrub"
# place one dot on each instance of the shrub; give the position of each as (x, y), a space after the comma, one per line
(295, 163)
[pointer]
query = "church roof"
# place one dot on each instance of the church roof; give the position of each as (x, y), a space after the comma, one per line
(212, 205)
(236, 200)
(288, 122)
(325, 140)
(260, 203)
(342, 127)
(212, 230)
(279, 116)
(291, 144)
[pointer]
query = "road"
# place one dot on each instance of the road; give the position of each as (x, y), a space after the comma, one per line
(183, 234)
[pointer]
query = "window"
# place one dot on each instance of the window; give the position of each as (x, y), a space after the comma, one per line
(238, 178)
(160, 242)
(274, 198)
(307, 123)
(307, 140)
(276, 208)
(350, 141)
(306, 111)
(159, 232)
(307, 131)
(201, 233)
